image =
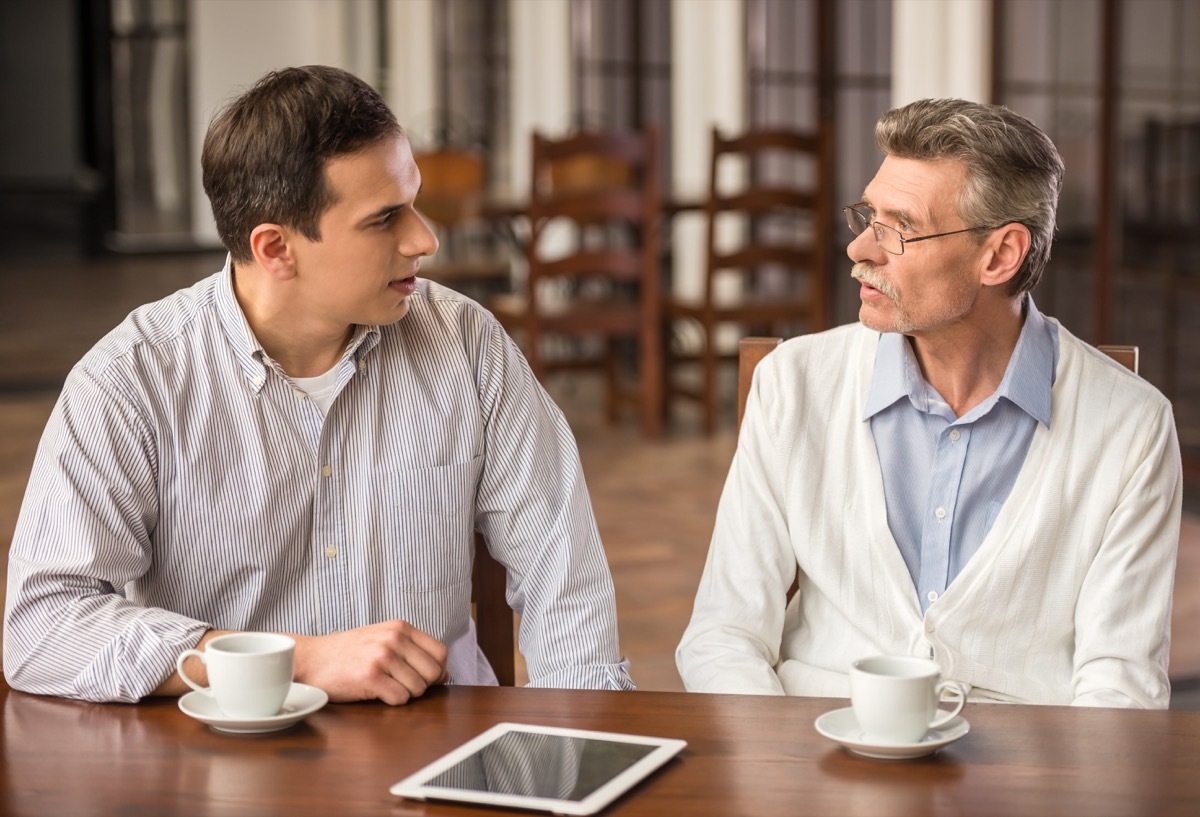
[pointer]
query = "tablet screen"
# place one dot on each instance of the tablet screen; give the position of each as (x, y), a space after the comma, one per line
(561, 770)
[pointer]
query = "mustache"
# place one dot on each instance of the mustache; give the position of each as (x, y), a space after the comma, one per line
(867, 274)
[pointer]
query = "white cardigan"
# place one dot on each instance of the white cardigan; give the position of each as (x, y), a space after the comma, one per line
(1068, 599)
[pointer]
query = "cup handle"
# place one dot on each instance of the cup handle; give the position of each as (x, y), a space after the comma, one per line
(183, 656)
(946, 715)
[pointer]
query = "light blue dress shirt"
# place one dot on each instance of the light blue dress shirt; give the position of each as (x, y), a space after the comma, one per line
(944, 477)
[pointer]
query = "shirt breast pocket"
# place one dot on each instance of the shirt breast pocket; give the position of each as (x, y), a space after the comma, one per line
(432, 515)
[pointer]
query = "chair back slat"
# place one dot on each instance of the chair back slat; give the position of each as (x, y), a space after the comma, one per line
(614, 264)
(760, 255)
(452, 184)
(1127, 356)
(593, 265)
(764, 200)
(591, 206)
(769, 213)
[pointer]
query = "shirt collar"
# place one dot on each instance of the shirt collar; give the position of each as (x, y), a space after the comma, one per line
(246, 347)
(1027, 380)
(251, 355)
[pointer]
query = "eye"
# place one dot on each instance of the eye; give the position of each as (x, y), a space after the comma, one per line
(386, 219)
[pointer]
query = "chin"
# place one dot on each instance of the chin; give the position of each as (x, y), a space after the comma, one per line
(387, 316)
(881, 321)
(873, 320)
(400, 311)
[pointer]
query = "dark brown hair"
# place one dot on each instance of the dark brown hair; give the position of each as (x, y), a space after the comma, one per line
(265, 152)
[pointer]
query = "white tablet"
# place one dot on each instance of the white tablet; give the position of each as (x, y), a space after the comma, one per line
(542, 768)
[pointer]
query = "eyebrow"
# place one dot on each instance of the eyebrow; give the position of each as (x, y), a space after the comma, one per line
(382, 212)
(387, 210)
(899, 215)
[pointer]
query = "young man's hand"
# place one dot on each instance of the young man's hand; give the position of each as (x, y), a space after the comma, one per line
(391, 661)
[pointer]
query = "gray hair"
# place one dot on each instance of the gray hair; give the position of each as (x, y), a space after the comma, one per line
(1013, 171)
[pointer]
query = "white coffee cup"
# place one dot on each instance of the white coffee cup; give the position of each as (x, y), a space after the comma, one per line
(896, 698)
(249, 674)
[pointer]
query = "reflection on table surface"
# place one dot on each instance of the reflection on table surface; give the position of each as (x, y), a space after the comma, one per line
(746, 755)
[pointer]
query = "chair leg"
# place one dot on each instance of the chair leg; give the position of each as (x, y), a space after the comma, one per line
(667, 372)
(650, 373)
(612, 379)
(709, 363)
(493, 616)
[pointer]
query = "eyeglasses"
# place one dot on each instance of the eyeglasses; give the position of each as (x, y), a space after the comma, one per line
(858, 216)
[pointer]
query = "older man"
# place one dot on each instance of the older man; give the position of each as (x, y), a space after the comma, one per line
(956, 475)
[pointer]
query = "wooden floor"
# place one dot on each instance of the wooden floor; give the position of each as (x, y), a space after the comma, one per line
(654, 502)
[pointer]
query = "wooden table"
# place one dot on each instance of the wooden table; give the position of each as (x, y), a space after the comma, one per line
(745, 756)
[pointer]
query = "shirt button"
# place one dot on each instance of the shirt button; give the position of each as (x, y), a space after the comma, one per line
(954, 435)
(931, 595)
(326, 470)
(331, 551)
(940, 513)
(300, 395)
(929, 626)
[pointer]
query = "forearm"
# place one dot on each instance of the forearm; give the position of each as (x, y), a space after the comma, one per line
(96, 648)
(719, 660)
(569, 634)
(1123, 614)
(68, 631)
(567, 602)
(82, 537)
(733, 641)
(174, 685)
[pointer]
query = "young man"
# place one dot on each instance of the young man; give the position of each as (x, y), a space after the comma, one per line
(305, 443)
(955, 476)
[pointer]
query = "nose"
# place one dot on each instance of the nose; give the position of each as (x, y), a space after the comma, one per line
(418, 239)
(864, 247)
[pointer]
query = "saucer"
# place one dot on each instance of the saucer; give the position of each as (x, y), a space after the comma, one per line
(842, 726)
(301, 701)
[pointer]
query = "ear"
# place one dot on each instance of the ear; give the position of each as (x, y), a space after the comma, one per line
(272, 250)
(1008, 246)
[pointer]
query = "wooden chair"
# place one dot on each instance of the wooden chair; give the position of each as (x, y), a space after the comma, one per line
(752, 350)
(604, 290)
(778, 268)
(1125, 355)
(453, 181)
(471, 256)
(493, 616)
